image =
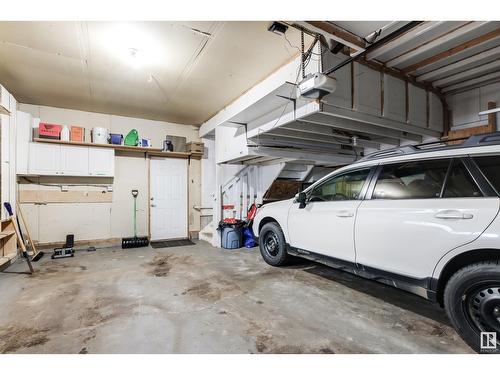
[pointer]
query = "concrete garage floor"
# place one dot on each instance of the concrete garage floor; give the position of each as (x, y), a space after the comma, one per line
(199, 299)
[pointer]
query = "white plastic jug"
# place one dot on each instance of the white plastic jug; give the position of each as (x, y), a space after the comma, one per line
(65, 134)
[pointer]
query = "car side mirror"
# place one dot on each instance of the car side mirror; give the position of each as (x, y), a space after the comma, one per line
(301, 198)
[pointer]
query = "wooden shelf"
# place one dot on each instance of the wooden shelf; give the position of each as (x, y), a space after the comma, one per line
(116, 147)
(6, 233)
(169, 154)
(150, 151)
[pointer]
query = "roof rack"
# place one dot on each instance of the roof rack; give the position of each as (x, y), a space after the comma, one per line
(472, 141)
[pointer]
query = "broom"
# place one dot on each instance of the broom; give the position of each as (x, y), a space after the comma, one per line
(37, 254)
(131, 242)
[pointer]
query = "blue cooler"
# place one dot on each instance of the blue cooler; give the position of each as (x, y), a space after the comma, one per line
(116, 139)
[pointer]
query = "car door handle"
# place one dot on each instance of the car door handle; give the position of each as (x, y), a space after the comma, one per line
(345, 214)
(452, 214)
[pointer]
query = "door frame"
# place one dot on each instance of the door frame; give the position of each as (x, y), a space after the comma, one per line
(150, 157)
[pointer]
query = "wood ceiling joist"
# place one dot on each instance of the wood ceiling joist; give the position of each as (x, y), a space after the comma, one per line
(468, 74)
(435, 42)
(471, 83)
(452, 51)
(335, 32)
(483, 57)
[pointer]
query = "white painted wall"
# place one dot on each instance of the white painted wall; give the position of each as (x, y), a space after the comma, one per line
(466, 105)
(208, 173)
(51, 222)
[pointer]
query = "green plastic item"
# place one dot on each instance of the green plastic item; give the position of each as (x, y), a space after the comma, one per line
(132, 138)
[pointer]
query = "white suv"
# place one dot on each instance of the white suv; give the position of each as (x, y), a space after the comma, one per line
(420, 218)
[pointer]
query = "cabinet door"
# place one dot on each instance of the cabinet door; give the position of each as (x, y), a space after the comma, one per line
(44, 159)
(74, 160)
(23, 132)
(101, 162)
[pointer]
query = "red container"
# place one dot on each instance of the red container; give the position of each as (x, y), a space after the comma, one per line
(50, 131)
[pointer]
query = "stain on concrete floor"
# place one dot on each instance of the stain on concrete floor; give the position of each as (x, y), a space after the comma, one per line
(14, 338)
(199, 299)
(161, 265)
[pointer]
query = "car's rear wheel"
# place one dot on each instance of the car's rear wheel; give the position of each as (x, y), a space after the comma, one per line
(472, 302)
(272, 245)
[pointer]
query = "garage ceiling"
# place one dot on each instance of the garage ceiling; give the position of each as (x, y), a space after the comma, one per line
(448, 56)
(173, 71)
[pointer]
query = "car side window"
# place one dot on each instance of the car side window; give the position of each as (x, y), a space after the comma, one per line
(460, 183)
(411, 180)
(343, 187)
(490, 166)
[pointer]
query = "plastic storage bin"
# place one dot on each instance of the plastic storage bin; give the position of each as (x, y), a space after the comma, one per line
(231, 237)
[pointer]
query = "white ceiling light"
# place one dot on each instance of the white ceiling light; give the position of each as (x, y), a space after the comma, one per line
(134, 45)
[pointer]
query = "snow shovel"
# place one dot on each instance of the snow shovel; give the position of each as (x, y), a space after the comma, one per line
(131, 242)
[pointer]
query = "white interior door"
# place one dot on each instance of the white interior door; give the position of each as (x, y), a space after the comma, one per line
(168, 198)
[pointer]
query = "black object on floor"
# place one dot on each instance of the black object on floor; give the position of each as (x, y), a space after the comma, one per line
(67, 250)
(171, 243)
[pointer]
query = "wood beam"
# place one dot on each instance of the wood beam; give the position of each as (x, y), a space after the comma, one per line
(492, 117)
(460, 65)
(472, 82)
(452, 51)
(335, 32)
(436, 42)
(468, 74)
(408, 36)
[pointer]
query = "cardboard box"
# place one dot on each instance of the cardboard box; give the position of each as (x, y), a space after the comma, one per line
(50, 131)
(195, 147)
(77, 134)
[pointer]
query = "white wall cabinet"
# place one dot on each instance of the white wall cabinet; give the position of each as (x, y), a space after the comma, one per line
(23, 135)
(101, 162)
(74, 160)
(44, 159)
(65, 160)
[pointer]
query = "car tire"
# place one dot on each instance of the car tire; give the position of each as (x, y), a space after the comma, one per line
(272, 245)
(472, 302)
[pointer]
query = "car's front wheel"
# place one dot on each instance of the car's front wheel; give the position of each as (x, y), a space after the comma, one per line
(272, 245)
(472, 302)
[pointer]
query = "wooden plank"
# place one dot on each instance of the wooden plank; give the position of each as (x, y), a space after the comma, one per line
(8, 246)
(116, 147)
(169, 154)
(336, 33)
(452, 51)
(54, 196)
(146, 150)
(5, 234)
(465, 133)
(492, 117)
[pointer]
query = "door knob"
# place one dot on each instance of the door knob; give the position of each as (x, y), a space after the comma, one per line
(153, 205)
